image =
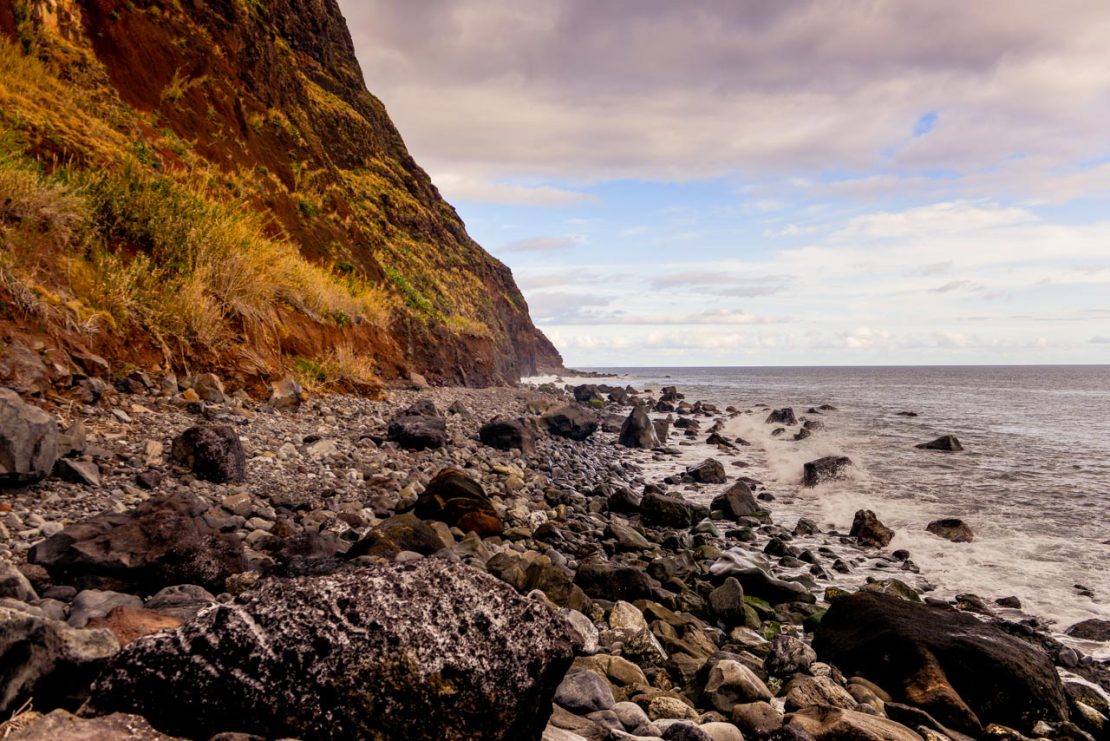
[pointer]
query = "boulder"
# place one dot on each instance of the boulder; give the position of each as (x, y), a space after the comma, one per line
(756, 581)
(14, 585)
(460, 501)
(212, 452)
(824, 723)
(209, 388)
(726, 603)
(96, 603)
(964, 672)
(624, 500)
(162, 542)
(583, 691)
(788, 656)
(952, 529)
(399, 533)
(660, 509)
(28, 441)
(286, 394)
(418, 431)
(731, 683)
(422, 650)
(47, 661)
(735, 502)
(508, 434)
(638, 431)
(23, 371)
(614, 582)
(783, 416)
(1091, 629)
(803, 691)
(60, 725)
(571, 422)
(709, 471)
(829, 468)
(77, 472)
(868, 531)
(946, 442)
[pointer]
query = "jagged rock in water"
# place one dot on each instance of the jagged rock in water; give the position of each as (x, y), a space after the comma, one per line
(424, 650)
(160, 543)
(1092, 629)
(460, 501)
(213, 453)
(964, 672)
(783, 416)
(756, 581)
(571, 422)
(508, 434)
(709, 471)
(829, 468)
(638, 431)
(28, 441)
(952, 529)
(47, 660)
(946, 442)
(869, 531)
(735, 502)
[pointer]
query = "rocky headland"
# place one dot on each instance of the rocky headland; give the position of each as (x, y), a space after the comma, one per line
(181, 561)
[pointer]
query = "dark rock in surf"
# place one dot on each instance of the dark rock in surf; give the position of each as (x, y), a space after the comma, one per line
(868, 531)
(638, 430)
(964, 672)
(508, 434)
(572, 422)
(783, 416)
(735, 502)
(829, 468)
(952, 529)
(213, 453)
(1092, 629)
(425, 650)
(709, 471)
(947, 442)
(907, 414)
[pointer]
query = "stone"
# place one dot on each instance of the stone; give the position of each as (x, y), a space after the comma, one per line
(803, 691)
(824, 723)
(783, 416)
(726, 603)
(129, 623)
(286, 394)
(829, 468)
(684, 730)
(95, 603)
(668, 511)
(638, 430)
(731, 683)
(77, 472)
(28, 441)
(418, 432)
(665, 706)
(209, 388)
(162, 542)
(399, 533)
(73, 440)
(212, 452)
(760, 719)
(735, 502)
(572, 422)
(709, 471)
(614, 582)
(1092, 629)
(952, 529)
(60, 725)
(869, 531)
(47, 661)
(626, 536)
(583, 691)
(460, 501)
(788, 655)
(756, 581)
(23, 371)
(626, 616)
(319, 450)
(624, 500)
(182, 601)
(719, 731)
(422, 650)
(508, 434)
(947, 442)
(962, 671)
(14, 585)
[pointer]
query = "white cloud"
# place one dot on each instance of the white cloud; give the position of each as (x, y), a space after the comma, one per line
(542, 244)
(465, 188)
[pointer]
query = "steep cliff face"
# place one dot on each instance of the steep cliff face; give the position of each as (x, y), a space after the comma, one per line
(268, 101)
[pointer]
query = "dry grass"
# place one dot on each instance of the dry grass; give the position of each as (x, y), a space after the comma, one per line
(342, 367)
(19, 720)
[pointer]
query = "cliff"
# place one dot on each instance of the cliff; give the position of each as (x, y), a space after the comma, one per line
(229, 173)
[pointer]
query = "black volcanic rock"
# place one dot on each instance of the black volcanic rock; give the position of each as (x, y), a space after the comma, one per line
(418, 432)
(735, 502)
(212, 452)
(426, 650)
(709, 471)
(571, 422)
(867, 529)
(783, 416)
(946, 442)
(460, 501)
(508, 434)
(829, 468)
(952, 529)
(671, 511)
(638, 430)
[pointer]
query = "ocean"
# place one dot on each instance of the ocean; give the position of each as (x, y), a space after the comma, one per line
(1033, 481)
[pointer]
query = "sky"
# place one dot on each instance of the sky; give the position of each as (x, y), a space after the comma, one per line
(818, 182)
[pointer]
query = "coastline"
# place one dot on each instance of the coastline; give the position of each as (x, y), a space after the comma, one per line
(327, 476)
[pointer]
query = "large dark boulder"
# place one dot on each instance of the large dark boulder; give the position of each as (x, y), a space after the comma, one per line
(869, 531)
(660, 509)
(952, 529)
(783, 416)
(508, 434)
(947, 442)
(735, 502)
(571, 422)
(756, 581)
(829, 468)
(213, 453)
(1091, 629)
(160, 543)
(614, 582)
(460, 501)
(418, 431)
(638, 430)
(709, 471)
(965, 673)
(28, 441)
(399, 533)
(423, 650)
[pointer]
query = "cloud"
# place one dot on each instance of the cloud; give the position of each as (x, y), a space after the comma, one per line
(866, 337)
(463, 188)
(542, 244)
(954, 285)
(723, 283)
(1100, 340)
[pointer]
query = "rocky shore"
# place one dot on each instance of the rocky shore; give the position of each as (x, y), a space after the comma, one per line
(178, 561)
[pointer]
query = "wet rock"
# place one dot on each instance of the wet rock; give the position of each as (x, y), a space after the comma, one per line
(731, 683)
(783, 416)
(735, 502)
(946, 442)
(47, 660)
(583, 691)
(868, 531)
(28, 441)
(418, 432)
(668, 511)
(964, 672)
(286, 394)
(503, 433)
(624, 501)
(709, 471)
(614, 582)
(638, 430)
(162, 542)
(60, 725)
(788, 655)
(572, 422)
(460, 501)
(1092, 629)
(952, 529)
(423, 650)
(833, 724)
(1012, 602)
(829, 468)
(213, 453)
